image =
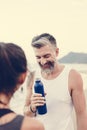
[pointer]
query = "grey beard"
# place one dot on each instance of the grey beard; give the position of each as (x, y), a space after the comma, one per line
(47, 71)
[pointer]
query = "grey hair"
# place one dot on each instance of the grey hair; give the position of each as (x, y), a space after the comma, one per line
(43, 40)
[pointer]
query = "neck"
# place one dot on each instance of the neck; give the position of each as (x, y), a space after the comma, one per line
(56, 71)
(4, 100)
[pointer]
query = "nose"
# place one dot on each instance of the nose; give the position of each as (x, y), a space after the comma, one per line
(43, 60)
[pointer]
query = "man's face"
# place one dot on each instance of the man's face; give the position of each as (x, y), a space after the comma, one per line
(46, 57)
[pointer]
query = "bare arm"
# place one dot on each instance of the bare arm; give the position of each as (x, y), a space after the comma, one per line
(79, 101)
(32, 99)
(31, 124)
(30, 82)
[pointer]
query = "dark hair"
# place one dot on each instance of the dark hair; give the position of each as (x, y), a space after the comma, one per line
(37, 43)
(12, 63)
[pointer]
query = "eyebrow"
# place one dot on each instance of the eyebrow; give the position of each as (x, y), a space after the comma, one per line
(43, 55)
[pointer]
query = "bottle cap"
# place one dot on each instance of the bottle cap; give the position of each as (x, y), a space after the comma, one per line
(37, 79)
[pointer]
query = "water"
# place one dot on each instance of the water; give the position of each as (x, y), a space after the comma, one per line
(18, 100)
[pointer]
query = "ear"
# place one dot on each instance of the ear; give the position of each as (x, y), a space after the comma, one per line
(22, 78)
(57, 51)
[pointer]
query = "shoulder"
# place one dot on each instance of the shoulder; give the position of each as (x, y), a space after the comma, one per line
(75, 79)
(31, 124)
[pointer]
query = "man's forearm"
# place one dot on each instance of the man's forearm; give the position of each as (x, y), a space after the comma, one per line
(28, 111)
(82, 122)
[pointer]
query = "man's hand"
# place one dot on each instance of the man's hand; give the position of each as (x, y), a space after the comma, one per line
(37, 100)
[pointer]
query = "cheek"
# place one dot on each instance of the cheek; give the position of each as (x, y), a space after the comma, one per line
(53, 57)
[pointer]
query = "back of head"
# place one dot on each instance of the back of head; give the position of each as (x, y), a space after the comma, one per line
(42, 40)
(12, 63)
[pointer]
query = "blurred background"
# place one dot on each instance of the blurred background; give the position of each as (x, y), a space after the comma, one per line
(20, 20)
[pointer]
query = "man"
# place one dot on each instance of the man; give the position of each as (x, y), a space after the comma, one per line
(63, 87)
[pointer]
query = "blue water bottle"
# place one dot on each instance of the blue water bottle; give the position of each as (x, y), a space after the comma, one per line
(39, 88)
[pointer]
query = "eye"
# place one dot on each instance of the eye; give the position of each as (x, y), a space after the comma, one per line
(47, 56)
(38, 57)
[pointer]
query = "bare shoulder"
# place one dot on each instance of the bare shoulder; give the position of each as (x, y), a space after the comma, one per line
(75, 80)
(31, 124)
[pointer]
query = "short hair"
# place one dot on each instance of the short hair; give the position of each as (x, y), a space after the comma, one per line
(12, 63)
(42, 40)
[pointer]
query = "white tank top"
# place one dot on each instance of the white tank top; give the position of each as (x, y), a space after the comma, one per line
(59, 103)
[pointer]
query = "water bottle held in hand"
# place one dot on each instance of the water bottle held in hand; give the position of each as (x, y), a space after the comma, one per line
(39, 88)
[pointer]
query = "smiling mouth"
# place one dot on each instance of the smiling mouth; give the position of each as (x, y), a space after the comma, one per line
(45, 66)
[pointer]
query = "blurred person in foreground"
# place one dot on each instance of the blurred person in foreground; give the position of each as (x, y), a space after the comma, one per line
(13, 71)
(63, 86)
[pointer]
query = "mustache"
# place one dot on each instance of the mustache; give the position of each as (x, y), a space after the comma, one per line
(50, 63)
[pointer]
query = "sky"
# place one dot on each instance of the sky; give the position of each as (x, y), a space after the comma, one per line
(66, 20)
